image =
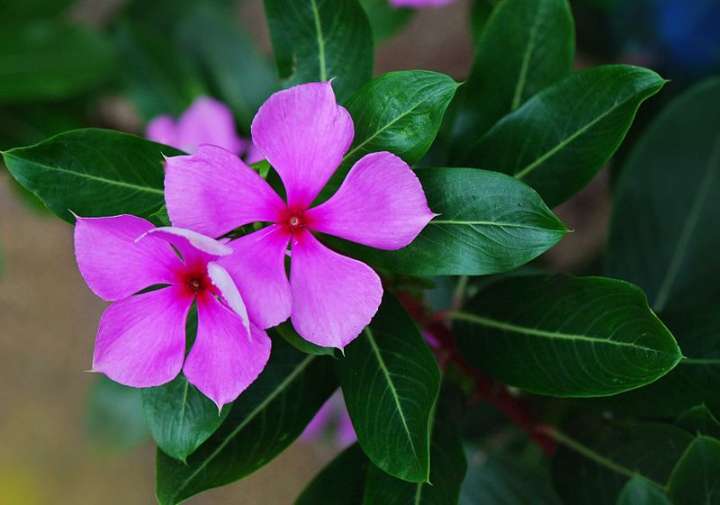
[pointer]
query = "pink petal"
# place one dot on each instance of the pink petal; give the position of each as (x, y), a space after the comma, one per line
(162, 129)
(188, 240)
(223, 282)
(258, 268)
(213, 192)
(112, 262)
(225, 358)
(304, 134)
(333, 297)
(380, 204)
(208, 121)
(317, 426)
(346, 432)
(253, 154)
(141, 339)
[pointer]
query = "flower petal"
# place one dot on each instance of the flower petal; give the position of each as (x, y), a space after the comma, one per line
(208, 121)
(164, 130)
(257, 266)
(333, 297)
(141, 339)
(113, 264)
(381, 204)
(304, 134)
(214, 192)
(223, 282)
(225, 358)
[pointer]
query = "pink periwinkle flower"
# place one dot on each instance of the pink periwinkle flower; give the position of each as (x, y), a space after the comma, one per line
(304, 134)
(333, 419)
(418, 4)
(141, 337)
(206, 121)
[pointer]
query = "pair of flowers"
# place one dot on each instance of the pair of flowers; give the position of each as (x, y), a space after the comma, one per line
(241, 287)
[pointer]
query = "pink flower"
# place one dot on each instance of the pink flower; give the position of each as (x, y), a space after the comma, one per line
(141, 336)
(304, 134)
(206, 121)
(332, 416)
(420, 3)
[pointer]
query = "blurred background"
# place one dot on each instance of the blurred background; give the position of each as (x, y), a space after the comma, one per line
(70, 437)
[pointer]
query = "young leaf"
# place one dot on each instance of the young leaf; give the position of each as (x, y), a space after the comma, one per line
(664, 227)
(385, 20)
(317, 40)
(488, 223)
(640, 491)
(695, 478)
(341, 482)
(263, 421)
(180, 417)
(390, 382)
(49, 60)
(566, 336)
(561, 137)
(93, 172)
(525, 46)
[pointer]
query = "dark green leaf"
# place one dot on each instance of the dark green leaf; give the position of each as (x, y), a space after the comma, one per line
(47, 60)
(479, 16)
(700, 421)
(263, 421)
(594, 469)
(696, 478)
(286, 331)
(115, 415)
(385, 20)
(525, 46)
(341, 482)
(17, 11)
(561, 137)
(640, 491)
(488, 223)
(93, 172)
(390, 381)
(566, 336)
(180, 417)
(664, 229)
(317, 40)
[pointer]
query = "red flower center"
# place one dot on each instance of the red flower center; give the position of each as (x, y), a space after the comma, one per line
(293, 220)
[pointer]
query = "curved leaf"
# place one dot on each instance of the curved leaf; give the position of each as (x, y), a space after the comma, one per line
(488, 223)
(640, 491)
(696, 478)
(699, 420)
(390, 382)
(341, 482)
(561, 137)
(93, 172)
(566, 336)
(317, 40)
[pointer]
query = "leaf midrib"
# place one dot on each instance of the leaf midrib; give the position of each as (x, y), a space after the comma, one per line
(525, 65)
(319, 37)
(490, 223)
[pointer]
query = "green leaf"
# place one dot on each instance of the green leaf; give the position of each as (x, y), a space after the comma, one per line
(666, 206)
(700, 421)
(696, 478)
(594, 469)
(115, 415)
(93, 172)
(447, 471)
(286, 331)
(263, 421)
(18, 11)
(341, 482)
(488, 223)
(390, 382)
(180, 417)
(479, 16)
(385, 20)
(566, 336)
(47, 60)
(319, 40)
(561, 137)
(525, 46)
(243, 79)
(640, 491)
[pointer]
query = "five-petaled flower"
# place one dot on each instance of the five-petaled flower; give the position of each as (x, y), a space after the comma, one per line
(153, 276)
(304, 134)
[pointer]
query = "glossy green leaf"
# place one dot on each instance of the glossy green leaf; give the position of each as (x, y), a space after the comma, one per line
(93, 172)
(696, 478)
(447, 470)
(385, 20)
(263, 421)
(115, 415)
(593, 466)
(525, 46)
(286, 331)
(390, 382)
(180, 417)
(666, 203)
(319, 40)
(640, 491)
(566, 336)
(488, 223)
(699, 420)
(558, 140)
(47, 60)
(341, 482)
